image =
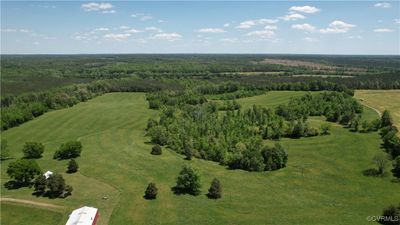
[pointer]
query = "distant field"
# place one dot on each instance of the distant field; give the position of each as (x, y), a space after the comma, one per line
(381, 100)
(322, 184)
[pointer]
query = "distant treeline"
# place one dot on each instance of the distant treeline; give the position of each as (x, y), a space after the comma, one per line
(18, 109)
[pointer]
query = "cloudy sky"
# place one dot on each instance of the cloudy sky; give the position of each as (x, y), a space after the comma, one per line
(312, 27)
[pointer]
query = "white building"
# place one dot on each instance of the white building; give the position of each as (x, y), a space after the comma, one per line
(48, 174)
(83, 216)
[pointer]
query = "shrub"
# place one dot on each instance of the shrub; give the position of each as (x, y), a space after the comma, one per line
(380, 161)
(188, 181)
(215, 190)
(151, 191)
(274, 158)
(156, 150)
(390, 216)
(325, 129)
(396, 167)
(72, 166)
(33, 150)
(71, 149)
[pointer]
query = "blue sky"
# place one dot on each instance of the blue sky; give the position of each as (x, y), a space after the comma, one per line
(311, 27)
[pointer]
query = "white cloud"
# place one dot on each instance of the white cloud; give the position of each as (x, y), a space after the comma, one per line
(304, 26)
(153, 29)
(102, 7)
(108, 11)
(270, 27)
(9, 30)
(102, 29)
(354, 37)
(228, 40)
(397, 21)
(263, 34)
(167, 36)
(383, 5)
(383, 30)
(123, 27)
(161, 21)
(305, 9)
(211, 30)
(133, 31)
(226, 24)
(292, 16)
(117, 37)
(142, 16)
(250, 23)
(337, 26)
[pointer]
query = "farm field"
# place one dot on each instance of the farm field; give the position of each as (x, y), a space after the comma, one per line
(324, 173)
(381, 100)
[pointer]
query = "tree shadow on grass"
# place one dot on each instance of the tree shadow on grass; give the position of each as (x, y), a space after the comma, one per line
(180, 191)
(12, 185)
(372, 172)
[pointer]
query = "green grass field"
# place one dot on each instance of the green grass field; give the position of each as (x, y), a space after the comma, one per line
(381, 100)
(15, 214)
(322, 183)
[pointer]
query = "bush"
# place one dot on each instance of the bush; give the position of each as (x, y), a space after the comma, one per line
(215, 190)
(72, 166)
(396, 167)
(23, 170)
(33, 150)
(325, 129)
(274, 158)
(390, 216)
(188, 181)
(156, 150)
(71, 149)
(151, 191)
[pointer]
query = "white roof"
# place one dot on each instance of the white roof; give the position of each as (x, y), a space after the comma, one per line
(82, 216)
(48, 174)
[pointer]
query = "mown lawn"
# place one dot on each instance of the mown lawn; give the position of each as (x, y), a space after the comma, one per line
(322, 183)
(15, 214)
(381, 100)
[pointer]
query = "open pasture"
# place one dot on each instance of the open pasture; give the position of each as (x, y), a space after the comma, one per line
(324, 173)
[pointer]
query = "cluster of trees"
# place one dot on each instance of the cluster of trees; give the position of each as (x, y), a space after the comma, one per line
(68, 150)
(234, 137)
(389, 134)
(54, 186)
(187, 182)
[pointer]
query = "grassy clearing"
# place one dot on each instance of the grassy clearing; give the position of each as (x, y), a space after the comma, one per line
(15, 214)
(381, 100)
(322, 184)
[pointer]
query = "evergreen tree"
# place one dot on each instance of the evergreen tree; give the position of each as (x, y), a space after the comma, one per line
(72, 166)
(188, 181)
(386, 119)
(215, 190)
(151, 191)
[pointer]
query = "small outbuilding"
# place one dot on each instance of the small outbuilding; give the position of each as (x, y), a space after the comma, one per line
(48, 174)
(83, 216)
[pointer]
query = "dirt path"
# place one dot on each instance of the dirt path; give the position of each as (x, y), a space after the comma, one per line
(28, 202)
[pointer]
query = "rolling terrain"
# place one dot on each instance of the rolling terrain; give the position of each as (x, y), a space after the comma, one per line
(324, 173)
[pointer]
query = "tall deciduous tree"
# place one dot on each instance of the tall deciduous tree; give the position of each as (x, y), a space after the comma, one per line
(23, 170)
(33, 150)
